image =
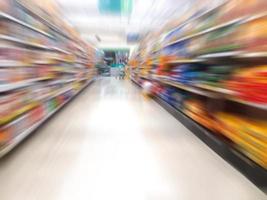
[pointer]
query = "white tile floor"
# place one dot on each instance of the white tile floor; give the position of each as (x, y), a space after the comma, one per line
(110, 143)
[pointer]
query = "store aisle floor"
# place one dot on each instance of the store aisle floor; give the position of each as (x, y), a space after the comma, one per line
(110, 143)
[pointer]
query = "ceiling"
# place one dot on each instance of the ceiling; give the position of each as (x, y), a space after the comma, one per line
(109, 30)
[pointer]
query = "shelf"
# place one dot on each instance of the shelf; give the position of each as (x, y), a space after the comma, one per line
(13, 19)
(222, 147)
(62, 81)
(43, 20)
(12, 63)
(216, 89)
(62, 91)
(238, 21)
(253, 55)
(236, 56)
(192, 89)
(178, 61)
(145, 77)
(27, 108)
(195, 18)
(60, 50)
(68, 70)
(136, 82)
(18, 139)
(81, 62)
(50, 25)
(63, 60)
(23, 42)
(251, 104)
(209, 30)
(17, 113)
(17, 85)
(230, 54)
(213, 92)
(43, 62)
(31, 44)
(82, 79)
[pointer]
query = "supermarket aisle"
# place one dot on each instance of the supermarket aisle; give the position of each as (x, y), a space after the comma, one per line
(111, 143)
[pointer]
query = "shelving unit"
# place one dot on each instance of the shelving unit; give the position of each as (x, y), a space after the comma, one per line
(22, 42)
(25, 133)
(238, 21)
(27, 9)
(202, 81)
(219, 144)
(222, 147)
(191, 19)
(17, 85)
(13, 19)
(46, 67)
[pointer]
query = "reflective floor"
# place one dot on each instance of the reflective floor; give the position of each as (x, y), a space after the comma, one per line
(111, 143)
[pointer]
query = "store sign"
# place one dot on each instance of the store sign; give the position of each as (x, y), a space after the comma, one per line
(117, 7)
(133, 37)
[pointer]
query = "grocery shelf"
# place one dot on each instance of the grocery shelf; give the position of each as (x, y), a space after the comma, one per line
(82, 79)
(30, 106)
(18, 139)
(63, 60)
(60, 50)
(43, 62)
(238, 21)
(251, 104)
(229, 54)
(21, 111)
(178, 61)
(12, 63)
(253, 55)
(212, 92)
(45, 21)
(64, 70)
(145, 77)
(62, 91)
(215, 89)
(196, 18)
(15, 20)
(52, 27)
(81, 62)
(17, 113)
(209, 30)
(230, 95)
(217, 93)
(62, 81)
(24, 42)
(222, 147)
(237, 111)
(191, 89)
(12, 86)
(135, 81)
(255, 17)
(236, 57)
(31, 44)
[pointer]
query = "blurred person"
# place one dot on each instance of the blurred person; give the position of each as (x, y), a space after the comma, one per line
(121, 73)
(147, 87)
